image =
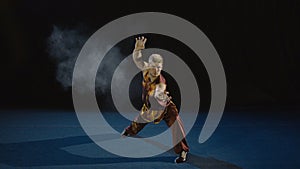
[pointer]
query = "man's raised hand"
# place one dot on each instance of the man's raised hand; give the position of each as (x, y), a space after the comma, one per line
(140, 43)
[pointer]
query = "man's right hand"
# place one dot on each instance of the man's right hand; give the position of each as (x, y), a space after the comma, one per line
(140, 43)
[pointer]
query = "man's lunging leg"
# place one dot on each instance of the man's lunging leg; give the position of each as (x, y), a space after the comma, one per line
(178, 134)
(137, 125)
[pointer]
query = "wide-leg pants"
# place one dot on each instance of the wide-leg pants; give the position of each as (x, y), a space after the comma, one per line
(172, 120)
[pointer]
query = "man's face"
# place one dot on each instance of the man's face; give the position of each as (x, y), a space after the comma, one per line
(155, 69)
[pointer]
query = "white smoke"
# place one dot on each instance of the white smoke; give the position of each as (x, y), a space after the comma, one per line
(64, 46)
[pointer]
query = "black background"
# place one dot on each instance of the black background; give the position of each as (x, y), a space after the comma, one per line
(257, 42)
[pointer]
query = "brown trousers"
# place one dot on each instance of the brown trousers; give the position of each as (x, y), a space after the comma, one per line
(173, 120)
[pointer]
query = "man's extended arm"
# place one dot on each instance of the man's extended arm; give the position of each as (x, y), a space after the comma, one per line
(137, 53)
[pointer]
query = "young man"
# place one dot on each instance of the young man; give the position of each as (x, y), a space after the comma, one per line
(157, 104)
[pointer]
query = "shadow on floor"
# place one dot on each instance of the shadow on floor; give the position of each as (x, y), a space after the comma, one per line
(49, 152)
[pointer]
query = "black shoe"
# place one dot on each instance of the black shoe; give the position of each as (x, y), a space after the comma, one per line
(181, 158)
(124, 134)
